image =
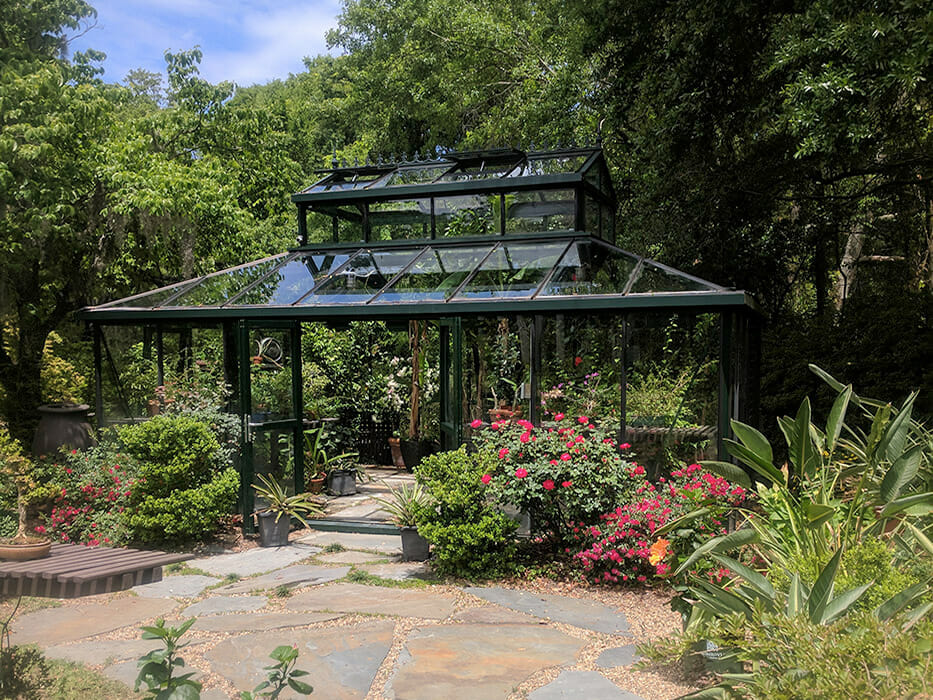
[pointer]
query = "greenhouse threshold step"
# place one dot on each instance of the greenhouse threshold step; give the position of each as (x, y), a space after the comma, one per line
(359, 526)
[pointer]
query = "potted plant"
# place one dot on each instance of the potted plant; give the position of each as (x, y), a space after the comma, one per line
(317, 461)
(342, 474)
(275, 517)
(395, 447)
(405, 505)
(15, 467)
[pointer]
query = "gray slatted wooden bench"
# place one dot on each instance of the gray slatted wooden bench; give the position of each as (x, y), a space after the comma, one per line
(73, 570)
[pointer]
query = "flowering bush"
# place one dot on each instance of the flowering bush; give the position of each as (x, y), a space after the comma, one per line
(624, 546)
(559, 475)
(96, 486)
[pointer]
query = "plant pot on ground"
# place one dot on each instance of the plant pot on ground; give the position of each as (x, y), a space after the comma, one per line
(404, 506)
(413, 451)
(398, 461)
(320, 464)
(275, 517)
(16, 467)
(316, 483)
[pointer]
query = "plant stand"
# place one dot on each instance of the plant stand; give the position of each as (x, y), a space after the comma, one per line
(272, 533)
(414, 546)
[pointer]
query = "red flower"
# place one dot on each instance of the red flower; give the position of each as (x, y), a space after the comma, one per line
(548, 485)
(559, 416)
(40, 529)
(624, 446)
(577, 361)
(477, 423)
(567, 484)
(525, 437)
(583, 419)
(521, 473)
(565, 457)
(503, 452)
(486, 478)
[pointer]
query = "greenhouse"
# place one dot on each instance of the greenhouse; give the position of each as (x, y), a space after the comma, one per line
(511, 246)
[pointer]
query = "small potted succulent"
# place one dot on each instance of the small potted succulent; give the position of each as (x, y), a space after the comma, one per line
(275, 517)
(405, 505)
(15, 467)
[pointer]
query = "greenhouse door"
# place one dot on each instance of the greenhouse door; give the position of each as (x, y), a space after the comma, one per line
(270, 407)
(451, 377)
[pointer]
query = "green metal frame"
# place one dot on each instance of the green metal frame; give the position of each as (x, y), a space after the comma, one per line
(451, 373)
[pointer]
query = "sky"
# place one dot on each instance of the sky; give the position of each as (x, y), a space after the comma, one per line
(248, 42)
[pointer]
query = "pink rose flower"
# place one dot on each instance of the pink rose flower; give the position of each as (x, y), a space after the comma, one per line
(521, 473)
(486, 478)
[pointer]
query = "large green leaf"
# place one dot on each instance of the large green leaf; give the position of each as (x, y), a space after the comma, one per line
(730, 472)
(899, 601)
(907, 502)
(823, 588)
(837, 418)
(901, 473)
(796, 596)
(715, 692)
(819, 513)
(894, 438)
(723, 543)
(756, 580)
(921, 538)
(754, 441)
(841, 604)
(746, 456)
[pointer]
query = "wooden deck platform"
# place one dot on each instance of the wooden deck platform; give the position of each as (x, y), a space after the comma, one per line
(73, 570)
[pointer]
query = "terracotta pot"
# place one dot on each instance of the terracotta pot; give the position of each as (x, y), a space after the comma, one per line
(506, 413)
(396, 449)
(36, 548)
(316, 484)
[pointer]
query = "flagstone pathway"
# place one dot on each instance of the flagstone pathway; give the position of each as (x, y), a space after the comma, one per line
(357, 641)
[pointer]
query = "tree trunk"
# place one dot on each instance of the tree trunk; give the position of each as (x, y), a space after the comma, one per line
(848, 268)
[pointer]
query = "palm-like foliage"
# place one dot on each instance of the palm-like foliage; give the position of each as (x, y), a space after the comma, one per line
(279, 502)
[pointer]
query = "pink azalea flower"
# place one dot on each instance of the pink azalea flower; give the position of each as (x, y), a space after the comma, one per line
(565, 457)
(548, 485)
(624, 446)
(503, 452)
(477, 423)
(559, 416)
(525, 437)
(583, 419)
(486, 478)
(521, 473)
(567, 484)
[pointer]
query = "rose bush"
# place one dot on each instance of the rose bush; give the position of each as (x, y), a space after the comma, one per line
(560, 475)
(625, 545)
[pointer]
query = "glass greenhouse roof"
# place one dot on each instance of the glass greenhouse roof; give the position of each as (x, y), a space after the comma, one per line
(529, 274)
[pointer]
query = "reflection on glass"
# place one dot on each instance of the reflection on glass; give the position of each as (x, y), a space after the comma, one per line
(480, 171)
(417, 174)
(218, 288)
(292, 280)
(400, 219)
(467, 215)
(540, 210)
(152, 299)
(513, 270)
(435, 276)
(346, 181)
(591, 268)
(654, 279)
(549, 165)
(367, 273)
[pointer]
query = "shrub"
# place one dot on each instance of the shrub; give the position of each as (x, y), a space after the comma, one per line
(624, 546)
(471, 538)
(560, 476)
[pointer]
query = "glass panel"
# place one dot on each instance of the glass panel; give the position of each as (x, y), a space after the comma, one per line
(435, 276)
(294, 279)
(417, 175)
(347, 219)
(513, 270)
(590, 268)
(218, 288)
(338, 182)
(152, 299)
(480, 171)
(591, 214)
(400, 219)
(367, 273)
(653, 279)
(270, 375)
(467, 215)
(540, 210)
(550, 165)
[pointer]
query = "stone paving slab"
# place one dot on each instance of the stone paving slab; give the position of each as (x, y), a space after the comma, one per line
(254, 561)
(126, 672)
(618, 656)
(469, 661)
(66, 624)
(252, 622)
(225, 604)
(386, 544)
(351, 557)
(355, 597)
(572, 685)
(399, 571)
(496, 615)
(184, 586)
(342, 661)
(290, 577)
(572, 611)
(103, 651)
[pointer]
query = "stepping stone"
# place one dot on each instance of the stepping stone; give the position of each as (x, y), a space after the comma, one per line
(570, 685)
(386, 544)
(400, 571)
(254, 561)
(176, 587)
(61, 625)
(618, 656)
(225, 604)
(127, 671)
(496, 615)
(102, 652)
(290, 577)
(260, 622)
(351, 557)
(572, 611)
(342, 661)
(379, 600)
(464, 662)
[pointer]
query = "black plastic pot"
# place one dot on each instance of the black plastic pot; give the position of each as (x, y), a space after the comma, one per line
(272, 533)
(341, 482)
(414, 546)
(413, 451)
